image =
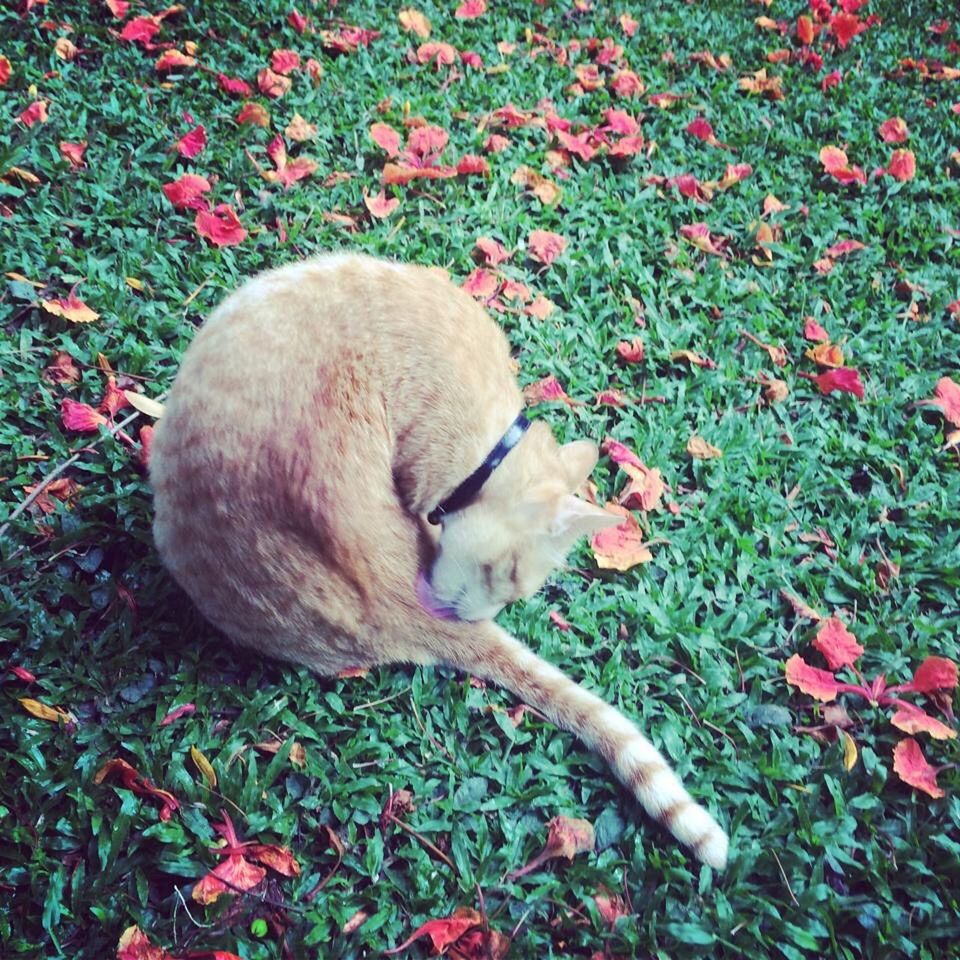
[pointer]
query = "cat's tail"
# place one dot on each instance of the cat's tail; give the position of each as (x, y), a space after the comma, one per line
(634, 759)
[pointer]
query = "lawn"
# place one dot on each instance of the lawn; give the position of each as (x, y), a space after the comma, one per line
(772, 325)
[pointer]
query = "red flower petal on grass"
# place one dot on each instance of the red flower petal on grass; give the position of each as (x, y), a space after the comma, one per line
(625, 83)
(470, 164)
(146, 442)
(385, 137)
(547, 390)
(5, 70)
(845, 26)
(444, 53)
(73, 153)
(832, 79)
(234, 875)
(184, 710)
(427, 143)
(234, 86)
(272, 84)
(935, 673)
(284, 61)
(835, 163)
(903, 165)
(470, 9)
(173, 60)
(630, 351)
(139, 784)
(819, 684)
(253, 113)
(894, 130)
(702, 130)
(443, 932)
(813, 331)
(838, 645)
(221, 226)
(186, 193)
(911, 719)
(35, 113)
(621, 547)
(140, 30)
(844, 247)
(481, 284)
(492, 251)
(22, 674)
(946, 396)
(134, 944)
(403, 173)
(545, 246)
(845, 379)
(912, 768)
(114, 399)
(191, 144)
(619, 453)
(380, 206)
(298, 21)
(71, 308)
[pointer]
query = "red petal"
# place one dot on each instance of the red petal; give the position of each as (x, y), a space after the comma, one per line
(232, 876)
(134, 944)
(380, 206)
(911, 767)
(911, 719)
(545, 246)
(73, 152)
(442, 933)
(186, 193)
(279, 859)
(813, 331)
(234, 86)
(470, 9)
(700, 128)
(190, 144)
(622, 547)
(894, 130)
(481, 284)
(470, 164)
(427, 143)
(492, 251)
(844, 247)
(903, 165)
(819, 684)
(140, 30)
(220, 226)
(546, 390)
(935, 673)
(184, 710)
(284, 61)
(619, 453)
(846, 379)
(80, 416)
(35, 113)
(385, 137)
(838, 645)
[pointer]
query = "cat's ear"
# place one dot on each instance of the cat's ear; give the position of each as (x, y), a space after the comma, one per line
(579, 458)
(576, 518)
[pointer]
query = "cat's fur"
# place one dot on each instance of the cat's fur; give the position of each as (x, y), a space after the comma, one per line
(320, 413)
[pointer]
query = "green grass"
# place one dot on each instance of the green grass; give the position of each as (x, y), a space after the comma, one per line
(825, 862)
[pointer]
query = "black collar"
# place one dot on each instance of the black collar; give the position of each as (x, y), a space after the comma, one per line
(467, 492)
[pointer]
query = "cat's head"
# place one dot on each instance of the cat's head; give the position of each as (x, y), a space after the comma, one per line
(522, 525)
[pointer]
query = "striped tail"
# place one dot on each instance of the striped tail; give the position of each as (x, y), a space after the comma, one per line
(635, 761)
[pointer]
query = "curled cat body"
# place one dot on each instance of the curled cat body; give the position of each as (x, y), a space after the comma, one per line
(321, 413)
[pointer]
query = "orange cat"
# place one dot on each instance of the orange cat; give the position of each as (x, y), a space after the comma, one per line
(322, 412)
